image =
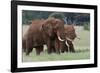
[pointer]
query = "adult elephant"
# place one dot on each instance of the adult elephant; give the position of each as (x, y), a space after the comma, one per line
(54, 31)
(67, 46)
(33, 38)
(41, 32)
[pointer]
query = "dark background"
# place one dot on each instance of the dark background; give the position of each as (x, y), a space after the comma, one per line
(69, 18)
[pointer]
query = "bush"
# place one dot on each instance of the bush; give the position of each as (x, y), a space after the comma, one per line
(86, 26)
(57, 15)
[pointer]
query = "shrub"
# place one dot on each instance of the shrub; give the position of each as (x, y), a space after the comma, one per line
(57, 15)
(86, 26)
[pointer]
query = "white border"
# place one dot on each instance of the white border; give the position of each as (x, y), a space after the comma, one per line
(53, 63)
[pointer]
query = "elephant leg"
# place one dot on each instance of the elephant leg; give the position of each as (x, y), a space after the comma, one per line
(49, 46)
(39, 49)
(57, 46)
(28, 51)
(53, 49)
(62, 50)
(24, 45)
(62, 47)
(71, 46)
(29, 46)
(49, 49)
(65, 48)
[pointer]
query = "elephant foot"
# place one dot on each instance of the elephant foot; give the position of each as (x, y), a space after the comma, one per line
(28, 51)
(49, 51)
(39, 49)
(57, 51)
(62, 51)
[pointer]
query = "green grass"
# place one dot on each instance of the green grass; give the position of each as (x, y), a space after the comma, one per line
(84, 42)
(82, 48)
(54, 57)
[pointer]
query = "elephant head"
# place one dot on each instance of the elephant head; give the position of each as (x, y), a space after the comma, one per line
(54, 27)
(70, 36)
(70, 32)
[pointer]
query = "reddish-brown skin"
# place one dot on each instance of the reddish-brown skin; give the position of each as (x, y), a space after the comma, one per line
(70, 33)
(43, 32)
(33, 38)
(24, 44)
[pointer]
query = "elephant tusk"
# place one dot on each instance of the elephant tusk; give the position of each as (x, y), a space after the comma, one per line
(78, 38)
(67, 45)
(60, 39)
(69, 39)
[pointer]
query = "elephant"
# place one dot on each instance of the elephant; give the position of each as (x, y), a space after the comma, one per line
(70, 35)
(54, 30)
(42, 32)
(31, 39)
(67, 46)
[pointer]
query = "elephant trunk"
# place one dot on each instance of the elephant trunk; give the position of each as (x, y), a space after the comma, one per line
(78, 38)
(69, 39)
(67, 44)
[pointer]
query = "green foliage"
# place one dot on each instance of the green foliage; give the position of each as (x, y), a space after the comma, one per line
(29, 15)
(57, 15)
(86, 26)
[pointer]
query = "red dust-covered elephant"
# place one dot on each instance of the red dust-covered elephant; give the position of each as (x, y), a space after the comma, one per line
(40, 32)
(67, 46)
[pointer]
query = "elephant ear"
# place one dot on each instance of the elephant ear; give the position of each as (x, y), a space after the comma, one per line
(52, 23)
(45, 25)
(48, 24)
